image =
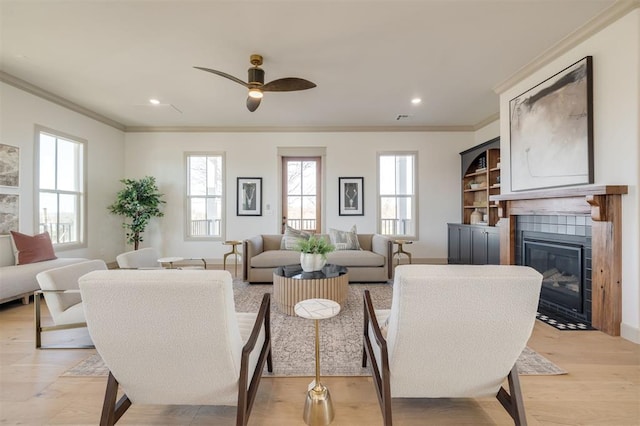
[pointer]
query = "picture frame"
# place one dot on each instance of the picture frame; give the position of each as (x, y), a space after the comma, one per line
(551, 131)
(9, 213)
(9, 166)
(249, 191)
(351, 196)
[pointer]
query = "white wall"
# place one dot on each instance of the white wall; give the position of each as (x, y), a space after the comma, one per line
(486, 133)
(19, 113)
(256, 155)
(616, 84)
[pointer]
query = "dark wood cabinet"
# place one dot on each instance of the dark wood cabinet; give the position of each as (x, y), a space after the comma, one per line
(473, 244)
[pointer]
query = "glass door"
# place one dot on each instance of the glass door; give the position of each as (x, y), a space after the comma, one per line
(301, 177)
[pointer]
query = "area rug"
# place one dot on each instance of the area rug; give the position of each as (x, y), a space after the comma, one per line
(340, 338)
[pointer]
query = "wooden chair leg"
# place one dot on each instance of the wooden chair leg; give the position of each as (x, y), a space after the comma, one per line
(111, 412)
(513, 402)
(37, 319)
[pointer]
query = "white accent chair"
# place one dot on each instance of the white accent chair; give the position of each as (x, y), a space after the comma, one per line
(174, 337)
(453, 331)
(144, 258)
(62, 295)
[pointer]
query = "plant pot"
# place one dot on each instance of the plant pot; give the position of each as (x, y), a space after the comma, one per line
(312, 262)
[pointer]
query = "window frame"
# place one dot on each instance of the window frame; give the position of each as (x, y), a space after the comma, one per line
(188, 197)
(82, 193)
(413, 197)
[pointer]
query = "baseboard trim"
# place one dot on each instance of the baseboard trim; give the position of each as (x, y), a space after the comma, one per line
(630, 333)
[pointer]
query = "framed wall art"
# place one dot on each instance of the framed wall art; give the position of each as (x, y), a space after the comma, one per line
(551, 129)
(351, 196)
(249, 196)
(9, 165)
(8, 213)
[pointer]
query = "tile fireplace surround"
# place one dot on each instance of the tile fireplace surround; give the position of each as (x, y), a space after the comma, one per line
(604, 204)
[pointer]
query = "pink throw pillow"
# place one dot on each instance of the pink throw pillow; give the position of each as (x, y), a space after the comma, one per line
(32, 249)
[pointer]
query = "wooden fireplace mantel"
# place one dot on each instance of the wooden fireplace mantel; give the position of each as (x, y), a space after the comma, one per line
(604, 204)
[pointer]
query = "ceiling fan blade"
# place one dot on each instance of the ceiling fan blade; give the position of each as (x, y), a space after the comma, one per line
(288, 84)
(224, 74)
(253, 103)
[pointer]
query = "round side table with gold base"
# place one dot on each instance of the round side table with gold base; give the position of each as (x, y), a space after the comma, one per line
(318, 409)
(234, 251)
(401, 250)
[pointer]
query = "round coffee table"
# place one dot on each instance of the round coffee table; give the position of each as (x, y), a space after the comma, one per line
(292, 285)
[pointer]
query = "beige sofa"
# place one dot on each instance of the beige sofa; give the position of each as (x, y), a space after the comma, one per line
(19, 281)
(371, 264)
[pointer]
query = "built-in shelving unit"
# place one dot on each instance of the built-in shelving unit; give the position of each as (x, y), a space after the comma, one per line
(480, 180)
(478, 243)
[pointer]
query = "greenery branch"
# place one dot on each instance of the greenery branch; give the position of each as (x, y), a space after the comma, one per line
(315, 245)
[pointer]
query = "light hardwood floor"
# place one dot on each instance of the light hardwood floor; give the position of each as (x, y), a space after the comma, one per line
(602, 388)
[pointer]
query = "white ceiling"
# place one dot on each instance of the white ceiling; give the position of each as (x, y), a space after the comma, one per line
(368, 58)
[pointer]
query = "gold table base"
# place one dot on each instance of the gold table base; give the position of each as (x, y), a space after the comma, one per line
(318, 409)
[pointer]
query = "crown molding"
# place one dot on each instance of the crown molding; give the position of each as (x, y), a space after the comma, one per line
(597, 23)
(486, 121)
(293, 129)
(44, 94)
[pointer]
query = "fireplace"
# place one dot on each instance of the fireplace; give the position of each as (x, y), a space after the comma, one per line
(602, 263)
(563, 275)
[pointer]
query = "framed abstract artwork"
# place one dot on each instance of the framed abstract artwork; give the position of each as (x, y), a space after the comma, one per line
(551, 129)
(351, 196)
(9, 204)
(249, 196)
(9, 165)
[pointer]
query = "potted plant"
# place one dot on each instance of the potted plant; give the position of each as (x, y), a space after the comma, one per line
(313, 253)
(139, 201)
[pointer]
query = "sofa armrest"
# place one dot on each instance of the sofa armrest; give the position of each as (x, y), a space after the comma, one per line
(383, 246)
(250, 247)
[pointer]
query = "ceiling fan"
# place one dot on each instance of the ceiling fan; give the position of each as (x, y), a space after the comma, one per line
(257, 86)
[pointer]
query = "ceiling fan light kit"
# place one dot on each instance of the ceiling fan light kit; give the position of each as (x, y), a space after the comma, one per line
(256, 84)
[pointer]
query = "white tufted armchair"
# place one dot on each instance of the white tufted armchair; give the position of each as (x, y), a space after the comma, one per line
(453, 331)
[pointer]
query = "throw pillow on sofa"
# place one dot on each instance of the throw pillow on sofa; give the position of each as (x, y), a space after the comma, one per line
(345, 240)
(291, 238)
(32, 249)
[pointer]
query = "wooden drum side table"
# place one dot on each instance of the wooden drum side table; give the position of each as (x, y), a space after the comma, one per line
(292, 285)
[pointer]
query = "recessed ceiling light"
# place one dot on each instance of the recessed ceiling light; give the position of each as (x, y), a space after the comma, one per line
(154, 101)
(416, 101)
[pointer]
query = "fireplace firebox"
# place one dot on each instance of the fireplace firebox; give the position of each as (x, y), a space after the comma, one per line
(565, 264)
(561, 268)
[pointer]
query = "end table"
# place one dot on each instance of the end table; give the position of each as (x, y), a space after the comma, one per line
(318, 409)
(234, 250)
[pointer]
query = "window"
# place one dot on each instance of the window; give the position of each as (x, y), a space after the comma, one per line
(301, 204)
(205, 195)
(60, 204)
(397, 204)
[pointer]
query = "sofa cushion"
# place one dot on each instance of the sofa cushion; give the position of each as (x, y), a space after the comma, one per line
(32, 249)
(355, 258)
(292, 237)
(275, 258)
(345, 240)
